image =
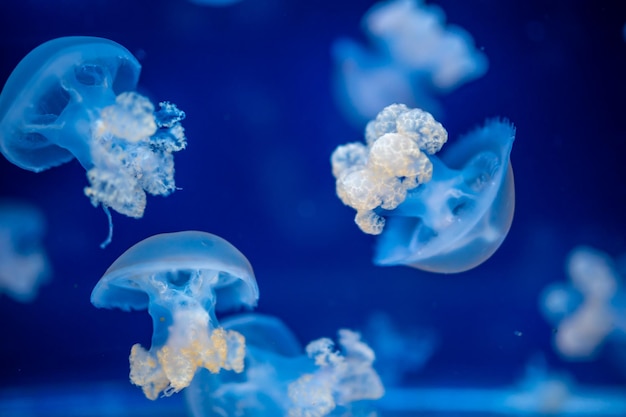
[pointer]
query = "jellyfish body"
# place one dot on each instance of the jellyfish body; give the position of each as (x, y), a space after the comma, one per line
(280, 380)
(399, 351)
(445, 214)
(73, 97)
(414, 56)
(181, 279)
(24, 265)
(589, 309)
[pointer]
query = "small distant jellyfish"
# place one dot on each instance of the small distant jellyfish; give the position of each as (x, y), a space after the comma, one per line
(72, 98)
(589, 309)
(24, 265)
(280, 380)
(399, 351)
(447, 214)
(414, 57)
(181, 279)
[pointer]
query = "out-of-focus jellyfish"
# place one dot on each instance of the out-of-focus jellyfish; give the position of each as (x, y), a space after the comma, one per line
(279, 380)
(182, 279)
(445, 214)
(541, 392)
(399, 351)
(23, 261)
(590, 308)
(73, 97)
(414, 57)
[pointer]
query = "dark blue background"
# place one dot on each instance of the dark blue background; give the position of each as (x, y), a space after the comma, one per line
(255, 80)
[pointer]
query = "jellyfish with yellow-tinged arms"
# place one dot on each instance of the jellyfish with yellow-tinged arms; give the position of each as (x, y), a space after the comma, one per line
(181, 279)
(280, 379)
(444, 214)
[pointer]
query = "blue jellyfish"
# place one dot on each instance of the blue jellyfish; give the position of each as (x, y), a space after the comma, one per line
(540, 392)
(399, 350)
(280, 380)
(182, 279)
(445, 214)
(73, 97)
(24, 265)
(414, 57)
(589, 309)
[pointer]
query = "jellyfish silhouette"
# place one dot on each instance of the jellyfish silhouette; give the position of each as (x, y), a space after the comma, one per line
(445, 214)
(24, 265)
(181, 279)
(588, 311)
(414, 58)
(73, 97)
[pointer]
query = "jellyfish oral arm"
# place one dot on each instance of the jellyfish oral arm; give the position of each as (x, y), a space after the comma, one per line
(192, 342)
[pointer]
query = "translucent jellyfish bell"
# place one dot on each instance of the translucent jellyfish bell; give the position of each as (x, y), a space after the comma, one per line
(46, 101)
(73, 97)
(181, 278)
(445, 214)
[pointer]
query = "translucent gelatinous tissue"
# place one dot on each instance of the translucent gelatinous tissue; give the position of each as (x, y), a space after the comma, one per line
(414, 57)
(588, 309)
(280, 380)
(73, 97)
(181, 279)
(399, 350)
(24, 265)
(441, 214)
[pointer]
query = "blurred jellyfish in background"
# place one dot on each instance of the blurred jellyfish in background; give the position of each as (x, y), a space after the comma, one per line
(399, 351)
(414, 58)
(589, 309)
(23, 261)
(445, 214)
(181, 279)
(540, 392)
(280, 380)
(73, 97)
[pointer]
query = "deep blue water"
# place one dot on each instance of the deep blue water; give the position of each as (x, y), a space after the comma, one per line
(255, 81)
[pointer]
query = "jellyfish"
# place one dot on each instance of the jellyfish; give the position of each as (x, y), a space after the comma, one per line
(24, 265)
(588, 310)
(447, 214)
(73, 97)
(181, 279)
(282, 380)
(540, 392)
(399, 350)
(414, 58)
